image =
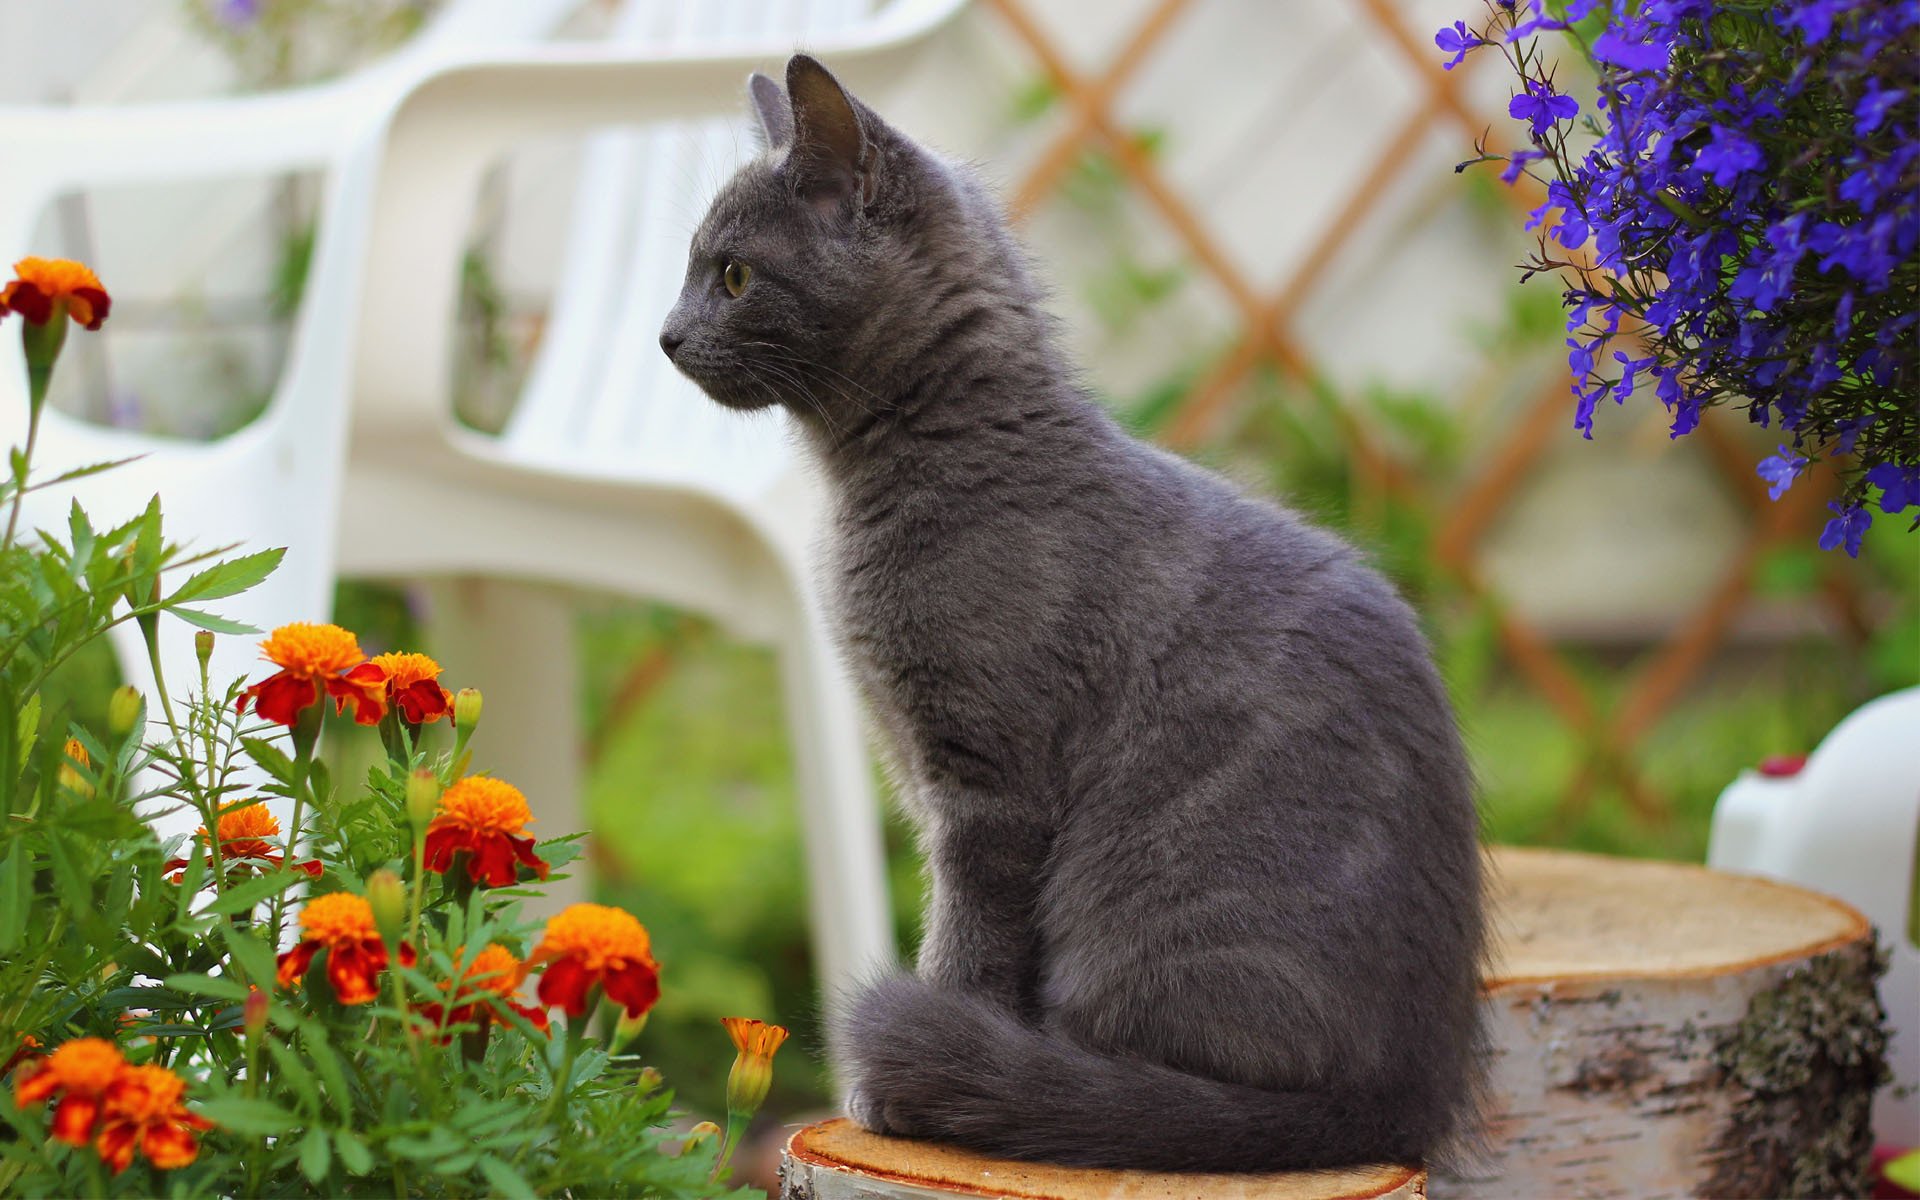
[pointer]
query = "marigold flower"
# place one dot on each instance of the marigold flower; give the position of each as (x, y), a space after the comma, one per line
(341, 923)
(411, 685)
(314, 660)
(752, 1074)
(45, 287)
(589, 944)
(482, 816)
(28, 1044)
(73, 768)
(494, 970)
(143, 1110)
(79, 1072)
(244, 826)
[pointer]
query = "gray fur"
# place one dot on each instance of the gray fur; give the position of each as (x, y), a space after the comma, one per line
(1204, 854)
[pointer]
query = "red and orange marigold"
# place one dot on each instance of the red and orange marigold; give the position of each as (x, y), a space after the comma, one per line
(244, 826)
(495, 970)
(79, 1072)
(42, 288)
(483, 817)
(411, 684)
(341, 924)
(143, 1111)
(314, 661)
(585, 945)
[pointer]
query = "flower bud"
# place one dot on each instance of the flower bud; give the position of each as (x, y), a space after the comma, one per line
(649, 1078)
(704, 1131)
(203, 647)
(466, 707)
(76, 761)
(626, 1029)
(253, 1013)
(752, 1074)
(387, 896)
(123, 710)
(41, 342)
(423, 798)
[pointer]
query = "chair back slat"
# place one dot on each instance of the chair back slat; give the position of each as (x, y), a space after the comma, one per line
(601, 398)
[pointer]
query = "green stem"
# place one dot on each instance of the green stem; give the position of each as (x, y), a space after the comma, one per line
(37, 380)
(737, 1123)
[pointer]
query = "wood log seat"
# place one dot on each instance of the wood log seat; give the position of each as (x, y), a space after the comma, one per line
(1658, 1030)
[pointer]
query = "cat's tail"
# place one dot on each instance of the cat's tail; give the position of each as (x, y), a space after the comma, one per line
(937, 1064)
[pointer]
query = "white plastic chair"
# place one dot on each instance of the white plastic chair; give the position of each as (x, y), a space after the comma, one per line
(1844, 823)
(275, 482)
(614, 474)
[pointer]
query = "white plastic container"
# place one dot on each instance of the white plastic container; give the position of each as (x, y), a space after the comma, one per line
(1844, 824)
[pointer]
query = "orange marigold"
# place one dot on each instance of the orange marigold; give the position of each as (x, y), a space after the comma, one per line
(245, 826)
(495, 970)
(482, 816)
(341, 924)
(588, 944)
(143, 1110)
(314, 661)
(79, 1072)
(411, 684)
(44, 287)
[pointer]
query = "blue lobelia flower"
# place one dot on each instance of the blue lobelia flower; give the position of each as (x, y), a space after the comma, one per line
(1847, 526)
(1780, 470)
(1616, 50)
(1542, 107)
(1899, 486)
(1457, 41)
(1874, 105)
(1728, 156)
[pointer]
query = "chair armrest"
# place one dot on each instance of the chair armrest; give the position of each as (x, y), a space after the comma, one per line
(454, 124)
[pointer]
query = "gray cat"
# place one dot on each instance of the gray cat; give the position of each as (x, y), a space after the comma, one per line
(1204, 853)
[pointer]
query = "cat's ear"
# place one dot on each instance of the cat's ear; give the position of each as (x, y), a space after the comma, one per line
(832, 159)
(770, 105)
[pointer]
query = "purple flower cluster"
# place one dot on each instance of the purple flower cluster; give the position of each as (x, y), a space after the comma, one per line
(1743, 223)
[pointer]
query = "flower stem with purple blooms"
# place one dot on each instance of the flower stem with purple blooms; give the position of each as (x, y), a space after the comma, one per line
(1744, 224)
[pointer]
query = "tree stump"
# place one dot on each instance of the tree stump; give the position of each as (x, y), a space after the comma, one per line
(1657, 1030)
(1660, 1029)
(837, 1160)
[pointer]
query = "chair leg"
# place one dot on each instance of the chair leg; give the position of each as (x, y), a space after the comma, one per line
(839, 815)
(515, 642)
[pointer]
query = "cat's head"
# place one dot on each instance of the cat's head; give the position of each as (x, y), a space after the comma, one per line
(825, 266)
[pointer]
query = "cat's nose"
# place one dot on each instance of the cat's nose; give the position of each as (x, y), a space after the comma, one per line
(670, 341)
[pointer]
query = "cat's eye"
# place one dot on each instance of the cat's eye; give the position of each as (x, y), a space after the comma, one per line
(736, 276)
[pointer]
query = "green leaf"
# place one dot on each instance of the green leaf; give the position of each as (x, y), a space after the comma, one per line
(191, 876)
(83, 472)
(326, 1064)
(206, 985)
(229, 578)
(16, 886)
(243, 896)
(355, 1156)
(28, 728)
(316, 1156)
(262, 1118)
(210, 622)
(254, 955)
(270, 758)
(506, 1180)
(294, 1074)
